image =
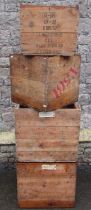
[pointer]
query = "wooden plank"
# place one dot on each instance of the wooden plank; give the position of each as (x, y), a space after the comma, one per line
(9, 137)
(63, 117)
(48, 43)
(58, 18)
(45, 82)
(48, 29)
(48, 156)
(47, 139)
(46, 185)
(51, 132)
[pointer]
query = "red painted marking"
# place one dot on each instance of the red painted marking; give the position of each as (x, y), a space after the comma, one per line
(63, 84)
(67, 81)
(74, 72)
(59, 87)
(56, 93)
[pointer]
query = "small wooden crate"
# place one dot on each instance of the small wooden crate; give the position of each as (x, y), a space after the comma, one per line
(42, 185)
(49, 30)
(47, 139)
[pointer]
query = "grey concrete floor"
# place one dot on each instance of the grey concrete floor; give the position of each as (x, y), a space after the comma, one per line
(8, 195)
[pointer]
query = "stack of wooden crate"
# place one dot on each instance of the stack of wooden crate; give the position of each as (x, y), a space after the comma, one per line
(46, 77)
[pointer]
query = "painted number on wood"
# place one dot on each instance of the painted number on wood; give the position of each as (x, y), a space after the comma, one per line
(63, 84)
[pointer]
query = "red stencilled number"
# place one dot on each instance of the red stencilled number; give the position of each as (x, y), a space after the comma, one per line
(56, 93)
(73, 72)
(62, 85)
(67, 81)
(59, 87)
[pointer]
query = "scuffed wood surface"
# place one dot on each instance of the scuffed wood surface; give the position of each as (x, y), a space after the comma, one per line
(49, 30)
(47, 139)
(45, 83)
(46, 185)
(33, 43)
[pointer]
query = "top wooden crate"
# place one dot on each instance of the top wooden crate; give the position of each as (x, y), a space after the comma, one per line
(48, 30)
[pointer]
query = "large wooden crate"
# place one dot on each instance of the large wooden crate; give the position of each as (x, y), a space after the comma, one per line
(46, 185)
(48, 30)
(48, 139)
(45, 83)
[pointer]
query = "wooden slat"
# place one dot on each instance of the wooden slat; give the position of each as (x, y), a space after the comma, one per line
(63, 117)
(49, 43)
(45, 81)
(48, 156)
(59, 18)
(33, 134)
(54, 28)
(47, 139)
(46, 185)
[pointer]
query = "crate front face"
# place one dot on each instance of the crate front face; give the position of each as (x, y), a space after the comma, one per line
(39, 80)
(48, 30)
(46, 185)
(47, 139)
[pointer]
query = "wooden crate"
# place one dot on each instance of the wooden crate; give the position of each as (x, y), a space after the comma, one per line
(48, 30)
(42, 185)
(47, 139)
(45, 83)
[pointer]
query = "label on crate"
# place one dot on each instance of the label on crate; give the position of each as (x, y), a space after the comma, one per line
(48, 167)
(46, 114)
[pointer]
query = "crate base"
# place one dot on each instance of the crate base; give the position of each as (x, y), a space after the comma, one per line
(46, 204)
(43, 185)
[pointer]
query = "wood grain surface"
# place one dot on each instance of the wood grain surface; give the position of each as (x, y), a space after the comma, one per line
(48, 29)
(46, 185)
(47, 139)
(45, 83)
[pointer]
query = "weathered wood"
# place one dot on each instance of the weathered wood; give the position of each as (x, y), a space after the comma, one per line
(42, 44)
(46, 185)
(49, 29)
(58, 18)
(45, 83)
(47, 139)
